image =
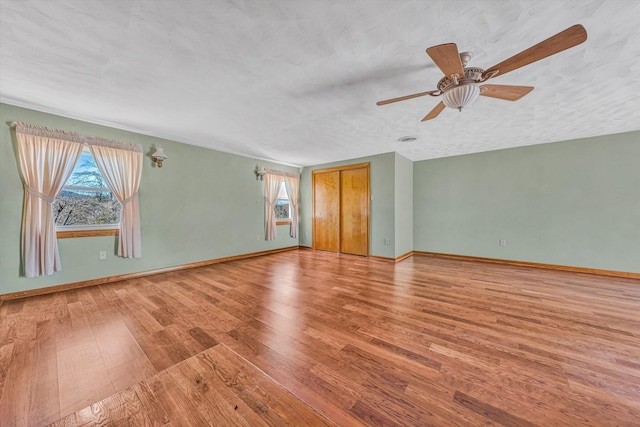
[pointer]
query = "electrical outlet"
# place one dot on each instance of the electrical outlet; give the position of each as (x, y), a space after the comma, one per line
(502, 242)
(102, 255)
(387, 241)
(258, 237)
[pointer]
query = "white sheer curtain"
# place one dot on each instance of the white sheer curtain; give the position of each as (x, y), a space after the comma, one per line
(271, 188)
(292, 184)
(47, 158)
(121, 166)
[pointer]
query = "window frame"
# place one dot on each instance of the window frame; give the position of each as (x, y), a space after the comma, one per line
(87, 230)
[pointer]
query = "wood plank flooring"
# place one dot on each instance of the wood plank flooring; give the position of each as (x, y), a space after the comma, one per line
(314, 338)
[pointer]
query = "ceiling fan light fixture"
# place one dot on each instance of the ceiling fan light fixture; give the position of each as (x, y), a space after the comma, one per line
(461, 96)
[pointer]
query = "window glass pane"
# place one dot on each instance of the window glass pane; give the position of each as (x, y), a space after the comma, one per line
(282, 209)
(73, 207)
(86, 174)
(85, 200)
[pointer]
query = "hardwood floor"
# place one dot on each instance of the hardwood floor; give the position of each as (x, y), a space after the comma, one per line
(314, 338)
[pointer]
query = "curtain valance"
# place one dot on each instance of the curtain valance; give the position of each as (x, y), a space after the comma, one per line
(29, 129)
(281, 173)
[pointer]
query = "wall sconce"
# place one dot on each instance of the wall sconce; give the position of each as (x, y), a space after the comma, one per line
(158, 156)
(259, 173)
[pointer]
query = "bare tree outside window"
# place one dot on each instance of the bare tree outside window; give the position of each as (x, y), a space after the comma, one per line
(282, 208)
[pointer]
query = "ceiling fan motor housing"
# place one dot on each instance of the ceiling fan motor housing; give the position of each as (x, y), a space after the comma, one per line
(461, 92)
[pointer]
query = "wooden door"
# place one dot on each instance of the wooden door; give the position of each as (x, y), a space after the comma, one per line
(354, 211)
(326, 211)
(341, 209)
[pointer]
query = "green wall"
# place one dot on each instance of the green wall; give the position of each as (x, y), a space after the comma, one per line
(202, 205)
(403, 205)
(573, 203)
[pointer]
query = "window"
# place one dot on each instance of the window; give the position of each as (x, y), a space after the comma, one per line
(85, 202)
(283, 206)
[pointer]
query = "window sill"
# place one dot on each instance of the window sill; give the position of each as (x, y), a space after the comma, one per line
(86, 233)
(283, 222)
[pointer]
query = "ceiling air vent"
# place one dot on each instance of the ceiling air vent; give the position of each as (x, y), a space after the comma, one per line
(407, 138)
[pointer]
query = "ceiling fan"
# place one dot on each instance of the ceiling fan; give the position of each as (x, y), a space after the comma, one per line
(462, 85)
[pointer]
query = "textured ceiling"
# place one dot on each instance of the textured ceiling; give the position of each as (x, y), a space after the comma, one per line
(297, 81)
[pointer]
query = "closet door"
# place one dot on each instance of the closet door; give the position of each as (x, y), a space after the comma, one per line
(326, 211)
(341, 209)
(354, 211)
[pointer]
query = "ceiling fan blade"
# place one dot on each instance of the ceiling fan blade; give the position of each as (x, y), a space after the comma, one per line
(434, 113)
(566, 39)
(509, 93)
(447, 58)
(403, 98)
